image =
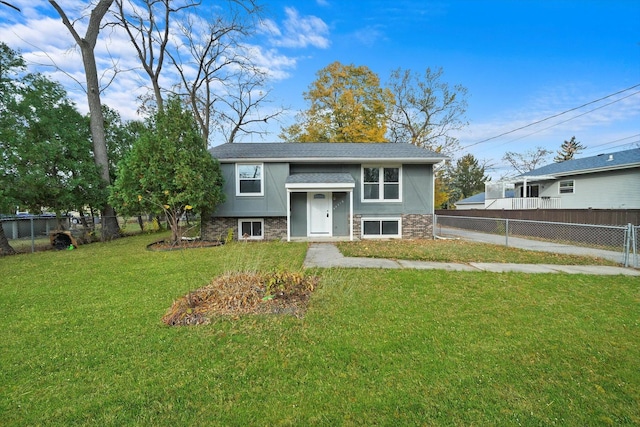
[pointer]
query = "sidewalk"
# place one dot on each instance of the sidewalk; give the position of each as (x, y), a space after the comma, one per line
(530, 244)
(327, 255)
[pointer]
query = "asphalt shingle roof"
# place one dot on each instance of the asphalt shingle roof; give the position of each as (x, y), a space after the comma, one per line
(616, 160)
(324, 152)
(320, 178)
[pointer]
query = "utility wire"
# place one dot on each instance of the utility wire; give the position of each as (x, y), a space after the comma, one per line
(572, 118)
(551, 117)
(594, 147)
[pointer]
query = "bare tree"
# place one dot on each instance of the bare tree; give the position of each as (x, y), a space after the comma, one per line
(242, 106)
(216, 73)
(87, 44)
(148, 25)
(527, 161)
(208, 64)
(219, 78)
(10, 5)
(426, 110)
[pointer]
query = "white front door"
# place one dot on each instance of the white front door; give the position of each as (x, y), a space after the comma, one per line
(320, 211)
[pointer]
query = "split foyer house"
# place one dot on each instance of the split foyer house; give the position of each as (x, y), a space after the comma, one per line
(605, 181)
(315, 191)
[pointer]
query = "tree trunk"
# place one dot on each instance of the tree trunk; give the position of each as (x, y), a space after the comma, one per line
(110, 227)
(5, 247)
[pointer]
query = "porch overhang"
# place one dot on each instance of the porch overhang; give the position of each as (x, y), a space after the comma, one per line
(320, 181)
(326, 182)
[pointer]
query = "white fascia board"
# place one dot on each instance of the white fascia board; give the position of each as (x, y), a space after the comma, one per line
(320, 186)
(602, 169)
(329, 160)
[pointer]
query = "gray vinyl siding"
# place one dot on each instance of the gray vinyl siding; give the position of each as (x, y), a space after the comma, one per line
(606, 190)
(417, 188)
(298, 214)
(417, 194)
(273, 203)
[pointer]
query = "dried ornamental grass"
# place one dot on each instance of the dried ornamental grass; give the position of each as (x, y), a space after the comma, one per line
(243, 293)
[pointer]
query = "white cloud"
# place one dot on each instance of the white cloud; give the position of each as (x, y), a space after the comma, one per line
(594, 125)
(368, 36)
(301, 31)
(48, 47)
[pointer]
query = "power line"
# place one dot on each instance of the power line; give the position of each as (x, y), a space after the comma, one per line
(552, 117)
(593, 147)
(572, 118)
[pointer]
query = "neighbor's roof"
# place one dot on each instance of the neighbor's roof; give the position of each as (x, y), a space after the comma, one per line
(600, 163)
(480, 198)
(476, 198)
(324, 152)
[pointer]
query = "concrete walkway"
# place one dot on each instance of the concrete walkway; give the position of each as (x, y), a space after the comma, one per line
(327, 255)
(530, 244)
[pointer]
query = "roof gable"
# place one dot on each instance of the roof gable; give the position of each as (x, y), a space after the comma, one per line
(601, 162)
(324, 152)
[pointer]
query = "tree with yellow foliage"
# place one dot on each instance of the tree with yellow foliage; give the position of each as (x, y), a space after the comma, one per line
(347, 104)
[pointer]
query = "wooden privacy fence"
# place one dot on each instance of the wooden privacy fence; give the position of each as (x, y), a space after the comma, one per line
(572, 216)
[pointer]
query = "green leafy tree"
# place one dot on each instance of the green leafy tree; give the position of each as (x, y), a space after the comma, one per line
(47, 158)
(568, 149)
(51, 154)
(468, 177)
(11, 66)
(168, 170)
(347, 104)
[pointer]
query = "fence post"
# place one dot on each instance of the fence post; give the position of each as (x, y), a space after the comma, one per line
(628, 235)
(33, 237)
(631, 249)
(435, 224)
(506, 232)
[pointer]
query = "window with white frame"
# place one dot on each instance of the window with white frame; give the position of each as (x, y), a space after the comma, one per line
(250, 229)
(249, 179)
(381, 183)
(381, 227)
(567, 187)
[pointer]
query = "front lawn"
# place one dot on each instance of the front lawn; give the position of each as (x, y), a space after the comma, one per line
(82, 343)
(459, 251)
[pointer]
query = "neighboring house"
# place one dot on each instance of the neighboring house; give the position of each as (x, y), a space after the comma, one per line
(306, 191)
(605, 181)
(477, 200)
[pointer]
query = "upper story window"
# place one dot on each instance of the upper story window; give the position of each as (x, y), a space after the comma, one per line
(249, 179)
(566, 187)
(381, 183)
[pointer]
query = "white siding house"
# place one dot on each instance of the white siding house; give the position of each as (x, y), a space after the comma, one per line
(605, 181)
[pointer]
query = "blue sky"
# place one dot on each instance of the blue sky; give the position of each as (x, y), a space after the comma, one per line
(521, 61)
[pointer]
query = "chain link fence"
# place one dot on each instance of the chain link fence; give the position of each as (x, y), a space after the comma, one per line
(623, 239)
(29, 233)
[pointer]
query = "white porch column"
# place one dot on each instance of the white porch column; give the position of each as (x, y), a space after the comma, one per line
(288, 215)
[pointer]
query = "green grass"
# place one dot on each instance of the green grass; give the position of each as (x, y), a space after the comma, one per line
(82, 344)
(459, 251)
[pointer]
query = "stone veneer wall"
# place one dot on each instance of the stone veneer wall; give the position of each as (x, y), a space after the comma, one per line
(417, 226)
(275, 228)
(414, 226)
